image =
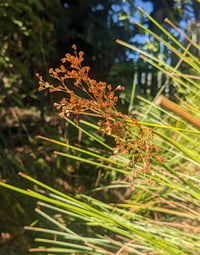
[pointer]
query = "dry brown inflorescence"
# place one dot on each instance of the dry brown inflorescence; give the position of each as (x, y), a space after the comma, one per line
(88, 97)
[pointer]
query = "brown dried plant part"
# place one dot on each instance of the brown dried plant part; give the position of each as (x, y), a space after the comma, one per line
(86, 96)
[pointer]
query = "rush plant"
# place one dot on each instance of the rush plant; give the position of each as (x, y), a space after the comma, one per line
(158, 217)
(87, 97)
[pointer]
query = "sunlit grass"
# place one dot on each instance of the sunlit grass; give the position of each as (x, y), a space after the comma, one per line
(161, 213)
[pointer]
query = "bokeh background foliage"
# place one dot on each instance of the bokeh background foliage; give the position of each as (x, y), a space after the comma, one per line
(34, 35)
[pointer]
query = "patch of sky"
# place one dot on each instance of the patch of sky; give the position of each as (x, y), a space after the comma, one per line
(139, 38)
(98, 7)
(122, 12)
(147, 6)
(66, 5)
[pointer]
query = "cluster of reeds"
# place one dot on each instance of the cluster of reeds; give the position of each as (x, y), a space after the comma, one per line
(158, 217)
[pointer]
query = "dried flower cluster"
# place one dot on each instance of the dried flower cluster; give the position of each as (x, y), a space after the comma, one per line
(86, 96)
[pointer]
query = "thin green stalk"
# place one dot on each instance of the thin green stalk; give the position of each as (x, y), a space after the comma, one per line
(191, 154)
(183, 34)
(55, 222)
(179, 45)
(131, 103)
(75, 148)
(162, 63)
(89, 134)
(188, 183)
(172, 75)
(92, 162)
